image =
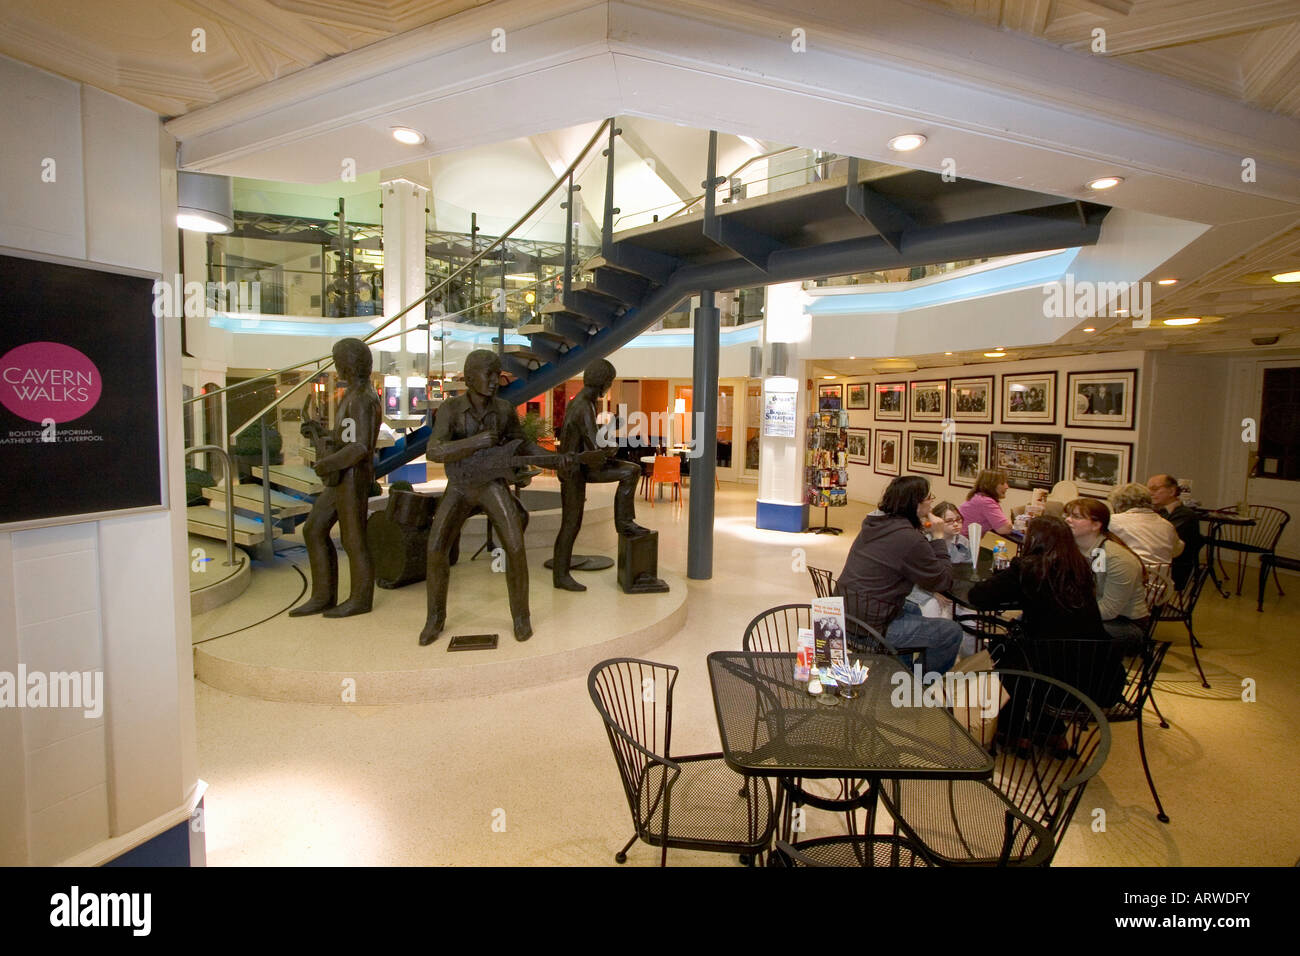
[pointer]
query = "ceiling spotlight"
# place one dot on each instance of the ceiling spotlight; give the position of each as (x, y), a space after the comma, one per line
(1106, 182)
(1287, 277)
(907, 142)
(1165, 281)
(204, 202)
(411, 137)
(1186, 320)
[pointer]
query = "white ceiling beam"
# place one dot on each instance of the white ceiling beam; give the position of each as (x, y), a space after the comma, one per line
(1271, 64)
(645, 151)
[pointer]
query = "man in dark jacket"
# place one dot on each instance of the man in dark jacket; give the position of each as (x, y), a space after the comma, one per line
(1166, 503)
(890, 556)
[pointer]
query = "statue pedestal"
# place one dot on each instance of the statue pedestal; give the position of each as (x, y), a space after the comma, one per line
(638, 564)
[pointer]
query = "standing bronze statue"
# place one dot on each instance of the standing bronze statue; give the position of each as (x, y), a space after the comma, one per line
(345, 464)
(578, 435)
(476, 436)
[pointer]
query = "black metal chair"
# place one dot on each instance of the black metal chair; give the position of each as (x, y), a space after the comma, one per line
(823, 581)
(1094, 666)
(776, 630)
(1261, 538)
(712, 807)
(875, 850)
(862, 608)
(1181, 606)
(1051, 741)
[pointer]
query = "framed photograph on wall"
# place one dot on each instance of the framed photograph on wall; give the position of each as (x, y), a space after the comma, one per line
(859, 395)
(1098, 467)
(859, 446)
(929, 400)
(925, 452)
(1029, 398)
(1030, 459)
(1100, 399)
(891, 401)
(967, 458)
(971, 399)
(888, 451)
(829, 398)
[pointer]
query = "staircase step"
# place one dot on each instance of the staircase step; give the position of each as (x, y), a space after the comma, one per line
(597, 309)
(559, 310)
(211, 523)
(560, 326)
(537, 332)
(249, 498)
(646, 263)
(294, 477)
(624, 287)
(516, 366)
(531, 353)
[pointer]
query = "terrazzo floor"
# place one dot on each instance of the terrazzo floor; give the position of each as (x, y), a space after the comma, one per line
(527, 777)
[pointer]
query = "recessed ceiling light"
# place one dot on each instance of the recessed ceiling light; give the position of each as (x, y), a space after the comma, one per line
(1185, 320)
(1090, 329)
(947, 353)
(1121, 311)
(1165, 281)
(1106, 182)
(907, 142)
(995, 354)
(828, 376)
(1287, 277)
(852, 356)
(411, 137)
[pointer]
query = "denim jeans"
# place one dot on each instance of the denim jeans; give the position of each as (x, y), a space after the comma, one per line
(939, 636)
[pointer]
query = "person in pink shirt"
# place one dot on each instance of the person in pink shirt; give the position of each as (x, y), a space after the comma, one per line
(981, 505)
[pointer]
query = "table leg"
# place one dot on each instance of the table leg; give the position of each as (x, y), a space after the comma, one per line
(1212, 555)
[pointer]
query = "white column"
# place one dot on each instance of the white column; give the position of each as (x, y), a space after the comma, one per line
(781, 468)
(404, 219)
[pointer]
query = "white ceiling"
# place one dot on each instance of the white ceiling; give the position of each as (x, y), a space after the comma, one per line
(1007, 88)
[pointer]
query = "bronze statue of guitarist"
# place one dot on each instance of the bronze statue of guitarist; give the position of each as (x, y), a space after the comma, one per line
(479, 422)
(345, 464)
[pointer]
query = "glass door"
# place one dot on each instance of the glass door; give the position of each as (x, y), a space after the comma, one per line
(752, 424)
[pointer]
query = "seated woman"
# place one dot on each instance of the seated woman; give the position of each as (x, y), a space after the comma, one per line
(982, 505)
(1134, 521)
(1121, 579)
(889, 557)
(1052, 582)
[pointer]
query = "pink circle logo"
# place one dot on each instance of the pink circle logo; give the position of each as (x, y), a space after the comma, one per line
(43, 380)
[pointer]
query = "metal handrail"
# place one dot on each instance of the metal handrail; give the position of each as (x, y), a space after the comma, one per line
(230, 496)
(688, 203)
(473, 261)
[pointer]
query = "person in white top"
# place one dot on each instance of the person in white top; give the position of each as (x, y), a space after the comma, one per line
(1134, 521)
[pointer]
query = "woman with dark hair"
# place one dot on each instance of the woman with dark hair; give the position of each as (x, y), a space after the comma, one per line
(889, 557)
(1121, 579)
(1052, 582)
(981, 504)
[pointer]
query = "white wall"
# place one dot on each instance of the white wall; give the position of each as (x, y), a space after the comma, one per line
(110, 594)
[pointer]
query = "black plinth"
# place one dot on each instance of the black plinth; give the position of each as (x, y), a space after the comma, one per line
(638, 564)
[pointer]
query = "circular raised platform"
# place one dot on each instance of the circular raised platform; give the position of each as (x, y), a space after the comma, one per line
(253, 648)
(212, 583)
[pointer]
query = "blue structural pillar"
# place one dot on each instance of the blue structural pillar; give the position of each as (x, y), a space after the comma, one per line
(704, 433)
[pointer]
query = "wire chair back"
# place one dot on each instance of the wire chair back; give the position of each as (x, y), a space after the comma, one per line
(823, 582)
(1262, 536)
(635, 700)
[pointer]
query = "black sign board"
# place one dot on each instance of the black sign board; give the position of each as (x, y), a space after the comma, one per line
(79, 393)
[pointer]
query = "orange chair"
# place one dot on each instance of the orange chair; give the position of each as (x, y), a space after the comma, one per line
(668, 471)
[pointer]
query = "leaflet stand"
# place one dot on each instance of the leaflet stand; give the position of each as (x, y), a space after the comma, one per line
(826, 528)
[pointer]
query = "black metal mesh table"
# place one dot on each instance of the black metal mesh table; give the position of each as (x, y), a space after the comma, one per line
(771, 726)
